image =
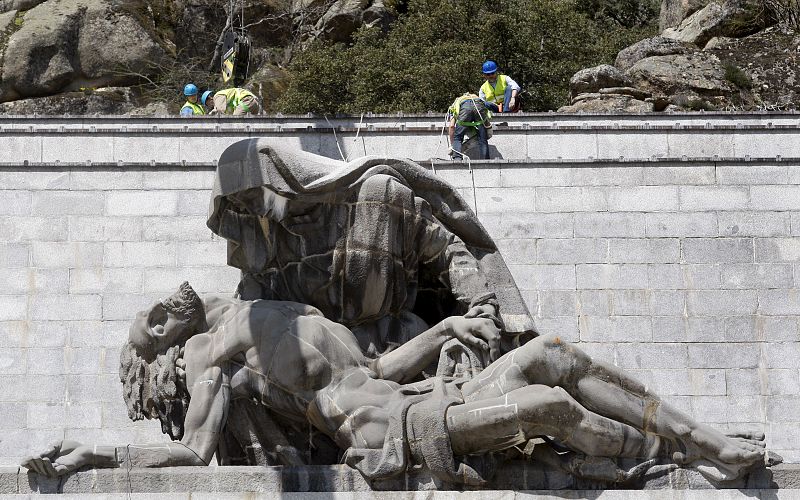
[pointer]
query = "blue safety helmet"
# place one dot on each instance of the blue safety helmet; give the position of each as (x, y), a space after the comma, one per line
(489, 67)
(190, 89)
(205, 96)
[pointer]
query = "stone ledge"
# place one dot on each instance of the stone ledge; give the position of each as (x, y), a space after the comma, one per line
(516, 476)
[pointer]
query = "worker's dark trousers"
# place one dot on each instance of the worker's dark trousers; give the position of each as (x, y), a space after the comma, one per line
(483, 141)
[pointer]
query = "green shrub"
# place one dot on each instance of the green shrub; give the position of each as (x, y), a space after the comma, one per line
(737, 76)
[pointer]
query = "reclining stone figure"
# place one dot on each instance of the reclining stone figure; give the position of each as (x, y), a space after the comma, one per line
(188, 360)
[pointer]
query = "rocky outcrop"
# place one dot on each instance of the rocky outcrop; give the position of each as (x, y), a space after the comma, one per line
(649, 47)
(345, 16)
(699, 74)
(730, 18)
(66, 45)
(112, 100)
(8, 5)
(593, 79)
(606, 103)
(675, 11)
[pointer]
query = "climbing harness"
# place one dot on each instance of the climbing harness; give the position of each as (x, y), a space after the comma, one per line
(235, 63)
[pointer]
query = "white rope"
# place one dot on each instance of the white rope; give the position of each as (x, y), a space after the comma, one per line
(336, 139)
(355, 139)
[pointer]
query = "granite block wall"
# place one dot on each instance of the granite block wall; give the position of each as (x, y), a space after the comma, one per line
(686, 274)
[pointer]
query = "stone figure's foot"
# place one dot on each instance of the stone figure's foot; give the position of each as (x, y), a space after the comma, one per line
(718, 456)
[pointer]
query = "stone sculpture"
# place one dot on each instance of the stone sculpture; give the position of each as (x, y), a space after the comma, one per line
(356, 279)
(188, 359)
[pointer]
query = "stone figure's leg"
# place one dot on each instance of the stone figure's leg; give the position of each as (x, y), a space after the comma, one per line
(608, 391)
(498, 423)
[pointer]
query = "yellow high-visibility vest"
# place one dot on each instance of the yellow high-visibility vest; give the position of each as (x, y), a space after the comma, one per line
(196, 108)
(496, 93)
(233, 97)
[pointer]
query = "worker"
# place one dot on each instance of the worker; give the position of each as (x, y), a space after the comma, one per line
(191, 107)
(469, 116)
(500, 91)
(233, 101)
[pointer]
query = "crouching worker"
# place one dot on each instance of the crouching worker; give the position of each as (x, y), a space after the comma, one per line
(234, 101)
(188, 360)
(468, 118)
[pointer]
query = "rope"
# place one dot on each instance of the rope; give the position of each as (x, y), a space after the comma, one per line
(336, 139)
(355, 139)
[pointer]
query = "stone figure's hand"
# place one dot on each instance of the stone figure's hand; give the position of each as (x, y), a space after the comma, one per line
(59, 458)
(477, 332)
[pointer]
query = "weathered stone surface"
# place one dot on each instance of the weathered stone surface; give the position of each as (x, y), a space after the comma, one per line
(65, 45)
(341, 19)
(649, 47)
(630, 91)
(8, 5)
(734, 18)
(675, 11)
(109, 100)
(601, 102)
(593, 79)
(699, 74)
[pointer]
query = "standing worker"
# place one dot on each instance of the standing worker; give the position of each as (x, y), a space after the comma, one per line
(499, 90)
(469, 116)
(235, 101)
(191, 107)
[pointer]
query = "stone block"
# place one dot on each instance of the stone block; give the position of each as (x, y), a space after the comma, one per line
(629, 175)
(667, 302)
(544, 277)
(127, 203)
(609, 225)
(595, 302)
(565, 326)
(643, 199)
(105, 228)
(464, 178)
(651, 356)
(741, 329)
(70, 254)
(140, 253)
(540, 225)
(710, 250)
(684, 225)
(531, 177)
(641, 250)
(630, 302)
(13, 415)
(743, 382)
(572, 251)
(756, 276)
(705, 198)
(665, 276)
(105, 280)
(602, 276)
(34, 180)
(499, 200)
(164, 281)
(8, 480)
(783, 382)
(13, 202)
(35, 281)
(46, 415)
(679, 175)
(616, 329)
(83, 416)
(190, 228)
(191, 203)
(762, 224)
(747, 175)
(777, 249)
(783, 409)
(669, 329)
(702, 276)
(183, 178)
(599, 351)
(13, 307)
(719, 355)
(513, 251)
(36, 229)
(34, 387)
(722, 409)
(67, 203)
(779, 302)
(642, 145)
(705, 329)
(557, 303)
(774, 197)
(65, 307)
(782, 354)
(147, 148)
(84, 360)
(123, 307)
(106, 180)
(14, 255)
(777, 329)
(13, 361)
(565, 199)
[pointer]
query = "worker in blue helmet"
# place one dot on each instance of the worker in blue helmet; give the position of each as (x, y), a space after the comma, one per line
(191, 107)
(499, 90)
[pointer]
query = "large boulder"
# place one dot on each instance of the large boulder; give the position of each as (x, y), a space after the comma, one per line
(7, 5)
(728, 18)
(607, 103)
(675, 11)
(103, 101)
(593, 79)
(66, 45)
(341, 19)
(649, 47)
(700, 74)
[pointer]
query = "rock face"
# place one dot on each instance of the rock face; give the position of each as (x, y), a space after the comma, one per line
(65, 45)
(730, 18)
(346, 16)
(699, 73)
(593, 79)
(675, 11)
(8, 5)
(109, 100)
(605, 103)
(649, 47)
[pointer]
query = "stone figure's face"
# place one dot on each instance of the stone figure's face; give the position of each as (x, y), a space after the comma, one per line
(159, 327)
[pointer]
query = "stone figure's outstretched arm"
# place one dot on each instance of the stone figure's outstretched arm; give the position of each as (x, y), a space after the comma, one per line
(408, 360)
(210, 391)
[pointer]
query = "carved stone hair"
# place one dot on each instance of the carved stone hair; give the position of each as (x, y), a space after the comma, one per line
(184, 301)
(152, 390)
